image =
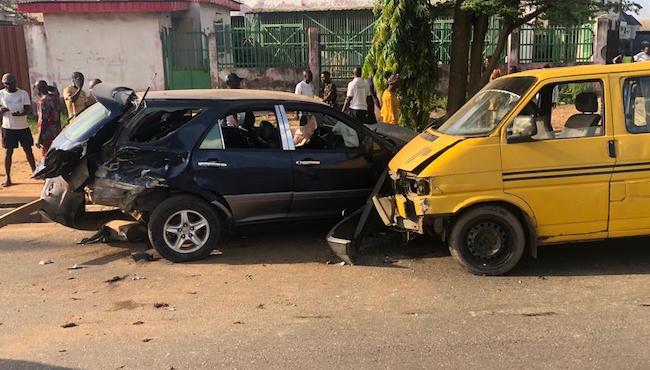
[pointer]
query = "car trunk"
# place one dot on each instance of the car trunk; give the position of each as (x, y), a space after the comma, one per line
(74, 156)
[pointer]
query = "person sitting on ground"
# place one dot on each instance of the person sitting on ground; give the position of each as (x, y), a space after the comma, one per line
(74, 96)
(14, 108)
(390, 101)
(306, 87)
(48, 111)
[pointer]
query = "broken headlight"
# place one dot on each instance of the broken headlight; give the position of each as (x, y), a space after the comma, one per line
(420, 187)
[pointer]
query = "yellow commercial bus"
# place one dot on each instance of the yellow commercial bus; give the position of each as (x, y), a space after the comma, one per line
(538, 157)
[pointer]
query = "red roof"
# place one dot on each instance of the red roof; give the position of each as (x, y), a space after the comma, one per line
(115, 6)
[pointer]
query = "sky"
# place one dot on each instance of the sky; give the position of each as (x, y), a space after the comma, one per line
(645, 12)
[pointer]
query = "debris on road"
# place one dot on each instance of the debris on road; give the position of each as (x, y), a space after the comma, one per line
(45, 262)
(145, 340)
(260, 306)
(76, 267)
(69, 325)
(115, 279)
(535, 314)
(137, 277)
(161, 305)
(141, 257)
(238, 323)
(138, 323)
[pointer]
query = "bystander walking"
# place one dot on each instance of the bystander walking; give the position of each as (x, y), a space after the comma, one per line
(328, 90)
(306, 87)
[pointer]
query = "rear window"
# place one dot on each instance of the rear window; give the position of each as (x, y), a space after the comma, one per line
(86, 123)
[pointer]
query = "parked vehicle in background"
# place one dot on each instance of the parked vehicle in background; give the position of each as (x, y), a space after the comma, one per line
(194, 164)
(540, 157)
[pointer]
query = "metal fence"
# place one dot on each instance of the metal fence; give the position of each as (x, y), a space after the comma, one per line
(269, 46)
(442, 29)
(341, 52)
(555, 44)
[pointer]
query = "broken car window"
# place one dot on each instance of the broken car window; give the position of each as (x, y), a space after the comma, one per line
(155, 123)
(311, 130)
(250, 130)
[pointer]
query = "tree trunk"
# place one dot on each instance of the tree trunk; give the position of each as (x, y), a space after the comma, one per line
(502, 40)
(476, 53)
(460, 39)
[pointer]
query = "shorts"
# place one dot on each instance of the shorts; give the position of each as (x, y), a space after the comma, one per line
(11, 138)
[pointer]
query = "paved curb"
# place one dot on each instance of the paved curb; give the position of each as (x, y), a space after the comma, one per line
(21, 214)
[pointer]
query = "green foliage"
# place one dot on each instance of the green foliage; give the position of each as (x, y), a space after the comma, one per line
(403, 44)
(568, 93)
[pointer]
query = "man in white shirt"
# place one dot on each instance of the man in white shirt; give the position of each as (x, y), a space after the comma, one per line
(14, 107)
(305, 87)
(644, 55)
(357, 97)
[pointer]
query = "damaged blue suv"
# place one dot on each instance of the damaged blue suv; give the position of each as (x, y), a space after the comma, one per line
(193, 164)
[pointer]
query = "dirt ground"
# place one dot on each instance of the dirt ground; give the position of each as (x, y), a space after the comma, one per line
(271, 301)
(24, 188)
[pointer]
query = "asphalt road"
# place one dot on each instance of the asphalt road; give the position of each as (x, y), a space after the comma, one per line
(271, 301)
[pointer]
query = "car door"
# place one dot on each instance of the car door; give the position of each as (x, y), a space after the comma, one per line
(630, 188)
(334, 164)
(242, 158)
(563, 173)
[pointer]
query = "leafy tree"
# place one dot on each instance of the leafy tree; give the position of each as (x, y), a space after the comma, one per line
(513, 14)
(403, 44)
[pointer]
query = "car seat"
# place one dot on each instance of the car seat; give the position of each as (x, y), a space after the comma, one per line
(587, 104)
(269, 134)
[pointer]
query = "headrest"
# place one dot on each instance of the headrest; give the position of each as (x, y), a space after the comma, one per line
(249, 120)
(587, 102)
(304, 120)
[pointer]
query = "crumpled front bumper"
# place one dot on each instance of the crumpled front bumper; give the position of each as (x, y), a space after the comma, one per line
(379, 213)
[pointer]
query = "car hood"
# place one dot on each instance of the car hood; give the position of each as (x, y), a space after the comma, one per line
(421, 151)
(73, 143)
(397, 134)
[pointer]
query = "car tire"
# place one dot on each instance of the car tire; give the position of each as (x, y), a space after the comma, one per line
(487, 240)
(184, 228)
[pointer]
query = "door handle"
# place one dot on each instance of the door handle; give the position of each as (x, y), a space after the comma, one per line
(611, 148)
(308, 163)
(213, 164)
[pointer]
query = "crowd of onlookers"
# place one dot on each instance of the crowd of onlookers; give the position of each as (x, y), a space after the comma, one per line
(15, 106)
(361, 98)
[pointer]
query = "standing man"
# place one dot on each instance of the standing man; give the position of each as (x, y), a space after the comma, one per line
(357, 97)
(49, 115)
(14, 107)
(75, 97)
(644, 55)
(305, 87)
(328, 91)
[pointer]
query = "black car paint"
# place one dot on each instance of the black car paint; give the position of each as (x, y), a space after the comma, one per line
(137, 176)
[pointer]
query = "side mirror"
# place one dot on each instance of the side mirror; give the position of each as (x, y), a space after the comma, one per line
(522, 130)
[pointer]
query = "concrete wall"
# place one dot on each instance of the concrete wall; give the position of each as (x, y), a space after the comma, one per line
(117, 48)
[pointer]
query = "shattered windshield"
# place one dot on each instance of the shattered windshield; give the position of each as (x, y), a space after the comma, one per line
(481, 114)
(86, 122)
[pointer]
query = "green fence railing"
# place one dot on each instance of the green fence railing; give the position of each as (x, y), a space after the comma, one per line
(279, 46)
(555, 44)
(341, 52)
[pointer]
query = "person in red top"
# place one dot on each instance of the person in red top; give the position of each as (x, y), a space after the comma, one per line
(48, 109)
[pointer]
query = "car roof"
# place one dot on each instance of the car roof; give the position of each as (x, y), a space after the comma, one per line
(544, 73)
(229, 94)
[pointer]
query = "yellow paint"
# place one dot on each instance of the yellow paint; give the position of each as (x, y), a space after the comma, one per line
(566, 204)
